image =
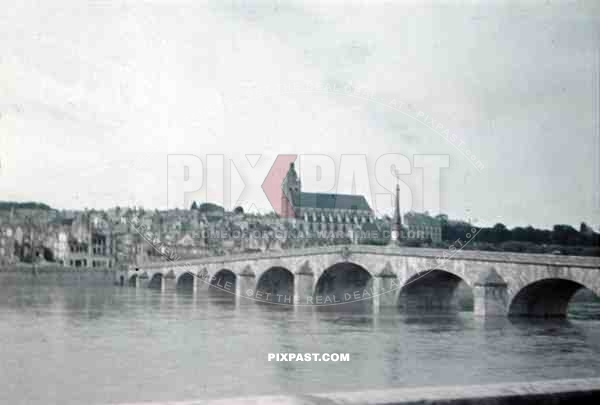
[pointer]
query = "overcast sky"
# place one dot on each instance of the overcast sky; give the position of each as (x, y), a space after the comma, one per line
(95, 94)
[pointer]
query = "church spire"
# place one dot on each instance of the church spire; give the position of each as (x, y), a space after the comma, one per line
(291, 189)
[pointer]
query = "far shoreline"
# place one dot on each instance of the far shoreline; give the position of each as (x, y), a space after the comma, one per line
(52, 268)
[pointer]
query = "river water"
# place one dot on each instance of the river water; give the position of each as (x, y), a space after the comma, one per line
(68, 342)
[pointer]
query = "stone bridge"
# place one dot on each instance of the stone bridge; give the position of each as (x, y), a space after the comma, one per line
(411, 278)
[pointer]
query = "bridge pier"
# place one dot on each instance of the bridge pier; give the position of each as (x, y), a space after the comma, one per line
(490, 295)
(387, 287)
(169, 282)
(196, 284)
(244, 284)
(202, 282)
(121, 278)
(133, 281)
(143, 281)
(303, 288)
(375, 284)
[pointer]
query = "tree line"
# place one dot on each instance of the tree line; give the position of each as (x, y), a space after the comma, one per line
(563, 239)
(30, 205)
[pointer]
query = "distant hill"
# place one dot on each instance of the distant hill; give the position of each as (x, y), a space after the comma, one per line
(8, 205)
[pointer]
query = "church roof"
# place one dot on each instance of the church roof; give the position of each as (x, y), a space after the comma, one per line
(330, 201)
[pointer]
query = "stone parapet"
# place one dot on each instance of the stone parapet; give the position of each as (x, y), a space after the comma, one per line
(477, 255)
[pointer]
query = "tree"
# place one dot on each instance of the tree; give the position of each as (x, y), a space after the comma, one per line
(211, 209)
(500, 233)
(456, 230)
(238, 210)
(442, 217)
(584, 228)
(565, 235)
(194, 206)
(520, 234)
(7, 205)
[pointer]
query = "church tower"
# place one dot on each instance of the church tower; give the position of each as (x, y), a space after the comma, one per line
(397, 221)
(291, 188)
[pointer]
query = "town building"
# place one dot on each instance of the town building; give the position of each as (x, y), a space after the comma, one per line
(7, 245)
(89, 241)
(422, 226)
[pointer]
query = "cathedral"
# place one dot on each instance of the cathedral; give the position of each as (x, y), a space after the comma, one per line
(314, 212)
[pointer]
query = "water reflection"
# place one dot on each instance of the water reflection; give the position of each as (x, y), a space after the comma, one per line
(437, 323)
(221, 300)
(569, 333)
(268, 306)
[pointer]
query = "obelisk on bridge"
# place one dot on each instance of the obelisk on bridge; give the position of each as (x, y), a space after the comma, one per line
(397, 221)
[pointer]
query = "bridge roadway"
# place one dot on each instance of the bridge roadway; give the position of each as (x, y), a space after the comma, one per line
(415, 279)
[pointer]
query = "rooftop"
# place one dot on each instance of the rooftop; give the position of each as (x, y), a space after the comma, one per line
(331, 201)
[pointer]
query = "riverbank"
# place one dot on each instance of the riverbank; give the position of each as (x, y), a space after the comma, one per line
(49, 268)
(55, 274)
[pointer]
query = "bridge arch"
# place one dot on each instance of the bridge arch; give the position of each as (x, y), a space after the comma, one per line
(276, 285)
(549, 297)
(344, 283)
(185, 281)
(223, 281)
(435, 290)
(156, 281)
(132, 281)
